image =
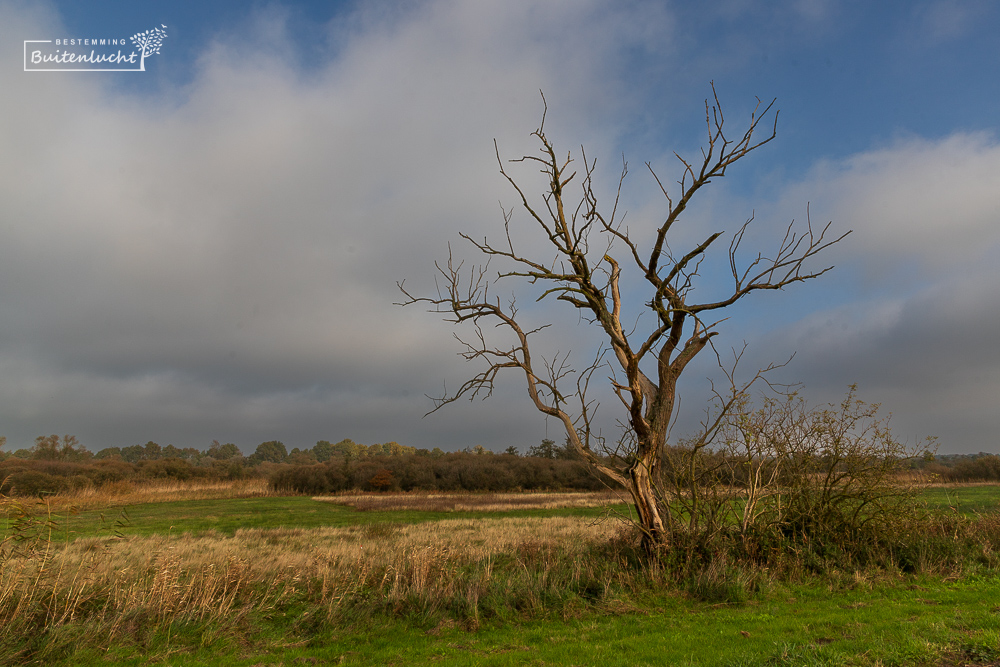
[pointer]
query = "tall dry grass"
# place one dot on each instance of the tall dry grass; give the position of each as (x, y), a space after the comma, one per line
(117, 588)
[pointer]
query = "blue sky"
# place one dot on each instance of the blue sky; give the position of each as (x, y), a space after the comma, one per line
(209, 249)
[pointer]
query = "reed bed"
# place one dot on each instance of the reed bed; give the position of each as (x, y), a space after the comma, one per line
(474, 502)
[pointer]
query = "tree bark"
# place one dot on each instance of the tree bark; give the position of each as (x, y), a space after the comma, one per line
(644, 499)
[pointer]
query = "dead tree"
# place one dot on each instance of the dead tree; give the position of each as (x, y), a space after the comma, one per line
(646, 364)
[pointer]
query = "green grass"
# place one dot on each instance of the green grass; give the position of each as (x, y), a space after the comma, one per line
(229, 515)
(963, 499)
(921, 622)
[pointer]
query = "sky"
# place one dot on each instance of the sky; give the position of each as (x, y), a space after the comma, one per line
(210, 248)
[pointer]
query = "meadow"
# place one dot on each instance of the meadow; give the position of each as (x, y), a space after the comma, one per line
(233, 574)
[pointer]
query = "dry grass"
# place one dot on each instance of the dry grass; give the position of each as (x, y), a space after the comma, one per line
(103, 591)
(473, 502)
(119, 494)
(929, 482)
(130, 587)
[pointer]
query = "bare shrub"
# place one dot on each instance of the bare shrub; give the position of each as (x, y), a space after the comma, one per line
(785, 474)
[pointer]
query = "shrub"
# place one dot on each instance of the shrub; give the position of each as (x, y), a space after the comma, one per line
(171, 468)
(786, 476)
(33, 483)
(382, 481)
(417, 473)
(450, 472)
(311, 480)
(982, 468)
(336, 478)
(110, 471)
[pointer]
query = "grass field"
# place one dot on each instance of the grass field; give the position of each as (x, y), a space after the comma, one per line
(228, 515)
(964, 498)
(446, 579)
(920, 623)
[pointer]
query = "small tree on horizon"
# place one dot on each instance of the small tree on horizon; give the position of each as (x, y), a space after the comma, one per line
(221, 452)
(545, 450)
(273, 451)
(51, 448)
(323, 451)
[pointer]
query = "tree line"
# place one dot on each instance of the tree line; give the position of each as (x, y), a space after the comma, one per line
(68, 448)
(56, 464)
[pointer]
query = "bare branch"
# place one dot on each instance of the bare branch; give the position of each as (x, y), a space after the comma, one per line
(578, 266)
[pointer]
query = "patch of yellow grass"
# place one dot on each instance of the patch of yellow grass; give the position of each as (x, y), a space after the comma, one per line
(118, 494)
(473, 502)
(213, 576)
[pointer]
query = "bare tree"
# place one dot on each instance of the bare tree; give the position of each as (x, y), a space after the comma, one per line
(646, 364)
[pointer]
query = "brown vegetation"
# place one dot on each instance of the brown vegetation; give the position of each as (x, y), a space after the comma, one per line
(344, 466)
(122, 493)
(457, 471)
(44, 477)
(478, 502)
(130, 588)
(980, 467)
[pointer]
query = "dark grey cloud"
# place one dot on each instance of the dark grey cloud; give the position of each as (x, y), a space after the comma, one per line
(930, 358)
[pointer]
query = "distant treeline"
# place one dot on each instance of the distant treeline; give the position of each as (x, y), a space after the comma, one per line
(981, 467)
(56, 465)
(52, 448)
(68, 448)
(457, 471)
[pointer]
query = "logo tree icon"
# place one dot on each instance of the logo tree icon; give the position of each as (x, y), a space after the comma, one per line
(148, 43)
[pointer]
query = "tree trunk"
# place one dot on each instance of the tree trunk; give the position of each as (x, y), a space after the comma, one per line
(644, 497)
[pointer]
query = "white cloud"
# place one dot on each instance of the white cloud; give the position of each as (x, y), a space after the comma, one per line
(934, 202)
(228, 252)
(918, 332)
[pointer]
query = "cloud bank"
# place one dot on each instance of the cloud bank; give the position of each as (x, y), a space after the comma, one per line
(219, 259)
